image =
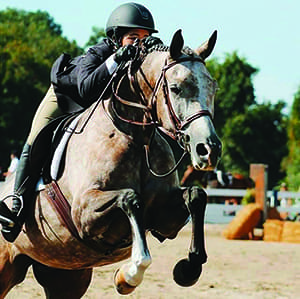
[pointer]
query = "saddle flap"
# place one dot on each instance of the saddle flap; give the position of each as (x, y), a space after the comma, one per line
(45, 144)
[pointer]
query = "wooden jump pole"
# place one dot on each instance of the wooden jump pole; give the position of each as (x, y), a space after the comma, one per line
(259, 174)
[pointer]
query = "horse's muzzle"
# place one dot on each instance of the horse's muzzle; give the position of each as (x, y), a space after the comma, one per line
(206, 156)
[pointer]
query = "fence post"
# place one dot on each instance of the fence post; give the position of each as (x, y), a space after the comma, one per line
(259, 174)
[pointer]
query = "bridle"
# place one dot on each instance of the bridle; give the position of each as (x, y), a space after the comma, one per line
(151, 119)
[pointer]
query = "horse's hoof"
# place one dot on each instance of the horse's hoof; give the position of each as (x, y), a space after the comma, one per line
(185, 274)
(122, 286)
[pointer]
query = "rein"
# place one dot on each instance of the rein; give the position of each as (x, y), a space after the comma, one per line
(150, 112)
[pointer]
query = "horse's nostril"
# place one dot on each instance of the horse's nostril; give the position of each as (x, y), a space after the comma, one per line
(201, 149)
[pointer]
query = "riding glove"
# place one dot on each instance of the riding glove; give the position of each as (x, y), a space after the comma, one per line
(125, 53)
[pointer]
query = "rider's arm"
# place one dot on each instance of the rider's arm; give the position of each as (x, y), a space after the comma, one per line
(94, 71)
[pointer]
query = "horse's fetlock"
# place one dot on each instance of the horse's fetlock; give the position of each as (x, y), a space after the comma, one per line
(144, 262)
(198, 258)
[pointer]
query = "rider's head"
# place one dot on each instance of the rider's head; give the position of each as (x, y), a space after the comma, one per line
(128, 22)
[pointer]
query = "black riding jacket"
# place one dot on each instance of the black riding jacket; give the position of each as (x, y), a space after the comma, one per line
(81, 80)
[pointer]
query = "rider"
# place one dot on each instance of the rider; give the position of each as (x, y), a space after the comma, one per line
(82, 80)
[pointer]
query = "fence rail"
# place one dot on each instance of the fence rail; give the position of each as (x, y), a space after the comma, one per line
(242, 192)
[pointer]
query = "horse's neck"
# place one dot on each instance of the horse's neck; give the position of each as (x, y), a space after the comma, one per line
(127, 118)
(123, 115)
(150, 72)
(127, 93)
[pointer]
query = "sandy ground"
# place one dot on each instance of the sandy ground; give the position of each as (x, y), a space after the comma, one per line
(235, 269)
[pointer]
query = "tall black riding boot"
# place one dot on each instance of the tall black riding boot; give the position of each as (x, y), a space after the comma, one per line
(12, 220)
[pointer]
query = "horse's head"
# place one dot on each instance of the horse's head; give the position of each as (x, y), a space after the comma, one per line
(181, 92)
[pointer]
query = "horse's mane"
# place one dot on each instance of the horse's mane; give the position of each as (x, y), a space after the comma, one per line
(164, 48)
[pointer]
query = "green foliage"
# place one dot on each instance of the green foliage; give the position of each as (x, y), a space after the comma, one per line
(250, 133)
(257, 136)
(29, 44)
(236, 92)
(96, 37)
(249, 197)
(292, 163)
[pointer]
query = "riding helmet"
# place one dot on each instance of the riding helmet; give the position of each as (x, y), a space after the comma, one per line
(129, 15)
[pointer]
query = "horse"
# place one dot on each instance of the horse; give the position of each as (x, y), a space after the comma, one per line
(120, 179)
(219, 180)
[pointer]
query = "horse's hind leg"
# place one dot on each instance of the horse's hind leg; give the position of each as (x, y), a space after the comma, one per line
(60, 283)
(12, 269)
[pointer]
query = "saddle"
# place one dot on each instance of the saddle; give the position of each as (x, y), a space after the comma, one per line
(45, 146)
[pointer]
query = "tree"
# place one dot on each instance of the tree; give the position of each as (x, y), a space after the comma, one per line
(96, 37)
(257, 136)
(292, 163)
(250, 133)
(236, 91)
(29, 44)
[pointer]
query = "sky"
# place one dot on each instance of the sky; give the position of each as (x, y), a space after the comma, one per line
(264, 32)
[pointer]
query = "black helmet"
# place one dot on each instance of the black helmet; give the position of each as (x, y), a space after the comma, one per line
(130, 15)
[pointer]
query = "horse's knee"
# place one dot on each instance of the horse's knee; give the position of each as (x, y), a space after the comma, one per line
(129, 201)
(195, 198)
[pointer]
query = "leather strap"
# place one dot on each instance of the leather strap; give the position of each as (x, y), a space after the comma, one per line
(62, 207)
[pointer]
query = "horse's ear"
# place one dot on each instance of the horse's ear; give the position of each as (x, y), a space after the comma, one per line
(205, 49)
(176, 44)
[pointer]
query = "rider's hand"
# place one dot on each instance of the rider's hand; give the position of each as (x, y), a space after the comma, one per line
(151, 41)
(125, 53)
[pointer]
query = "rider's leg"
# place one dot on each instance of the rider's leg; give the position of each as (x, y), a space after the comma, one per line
(25, 176)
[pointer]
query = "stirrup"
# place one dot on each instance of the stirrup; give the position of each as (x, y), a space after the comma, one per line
(7, 217)
(11, 225)
(19, 198)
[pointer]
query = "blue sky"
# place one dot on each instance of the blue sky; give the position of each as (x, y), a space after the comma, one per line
(265, 32)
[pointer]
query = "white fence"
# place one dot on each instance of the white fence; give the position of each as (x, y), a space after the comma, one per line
(242, 192)
(220, 213)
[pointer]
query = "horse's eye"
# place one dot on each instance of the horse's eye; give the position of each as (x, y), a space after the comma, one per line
(174, 88)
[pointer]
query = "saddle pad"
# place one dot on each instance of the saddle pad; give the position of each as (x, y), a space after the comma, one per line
(58, 154)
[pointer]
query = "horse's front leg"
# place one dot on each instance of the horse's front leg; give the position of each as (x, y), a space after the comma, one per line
(187, 271)
(130, 275)
(106, 214)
